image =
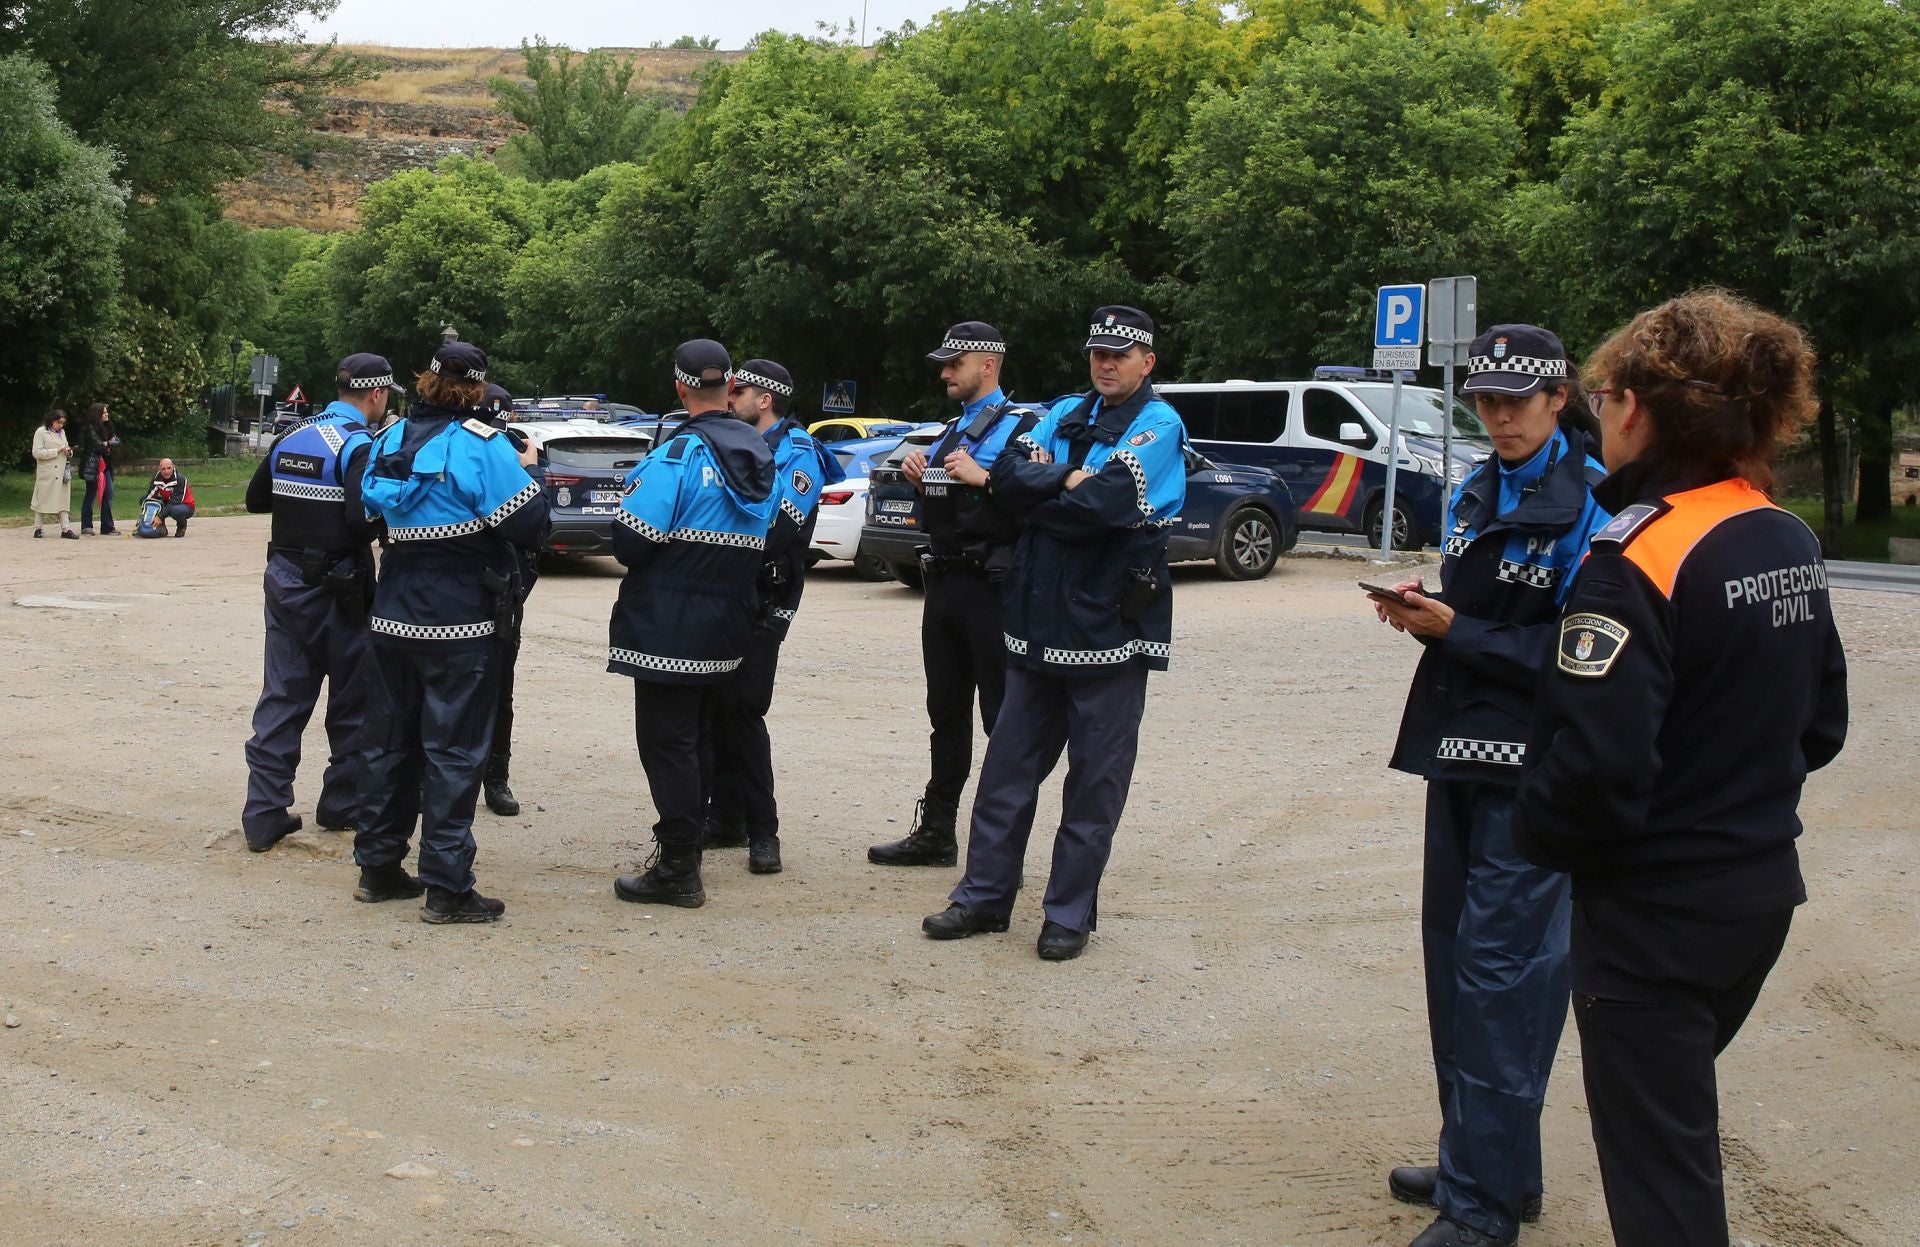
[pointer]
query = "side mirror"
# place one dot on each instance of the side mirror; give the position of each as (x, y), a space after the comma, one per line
(1352, 432)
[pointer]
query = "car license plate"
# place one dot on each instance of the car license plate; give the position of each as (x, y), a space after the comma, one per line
(606, 495)
(897, 506)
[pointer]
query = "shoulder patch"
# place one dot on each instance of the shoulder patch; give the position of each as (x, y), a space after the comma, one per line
(1143, 437)
(802, 483)
(479, 428)
(1625, 526)
(676, 449)
(1590, 643)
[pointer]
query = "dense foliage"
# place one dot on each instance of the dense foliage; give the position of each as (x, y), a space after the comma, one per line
(1248, 172)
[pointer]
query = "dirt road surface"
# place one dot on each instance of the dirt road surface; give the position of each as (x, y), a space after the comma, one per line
(218, 1047)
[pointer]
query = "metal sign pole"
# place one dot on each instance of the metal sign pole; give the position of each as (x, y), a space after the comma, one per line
(1393, 471)
(1446, 441)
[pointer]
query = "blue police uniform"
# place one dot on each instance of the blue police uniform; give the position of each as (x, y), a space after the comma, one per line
(458, 506)
(1088, 608)
(741, 792)
(316, 581)
(692, 532)
(1494, 926)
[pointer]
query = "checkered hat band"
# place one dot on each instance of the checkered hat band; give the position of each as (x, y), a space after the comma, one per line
(473, 374)
(766, 383)
(1525, 365)
(693, 383)
(1142, 336)
(373, 383)
(973, 344)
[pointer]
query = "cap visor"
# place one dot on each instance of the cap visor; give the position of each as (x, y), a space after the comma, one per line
(942, 355)
(1515, 384)
(1101, 342)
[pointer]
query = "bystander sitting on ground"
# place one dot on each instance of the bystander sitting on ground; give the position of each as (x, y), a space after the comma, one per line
(169, 497)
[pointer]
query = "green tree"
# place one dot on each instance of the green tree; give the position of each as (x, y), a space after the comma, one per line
(579, 112)
(60, 231)
(1772, 148)
(433, 247)
(1356, 158)
(1557, 55)
(689, 43)
(298, 322)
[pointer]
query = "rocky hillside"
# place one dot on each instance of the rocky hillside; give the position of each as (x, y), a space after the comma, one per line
(426, 104)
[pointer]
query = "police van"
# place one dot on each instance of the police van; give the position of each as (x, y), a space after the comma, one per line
(1327, 440)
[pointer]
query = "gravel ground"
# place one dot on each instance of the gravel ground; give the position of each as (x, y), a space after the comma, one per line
(219, 1047)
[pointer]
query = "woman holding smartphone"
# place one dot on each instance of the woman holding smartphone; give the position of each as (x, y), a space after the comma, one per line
(1493, 925)
(1697, 679)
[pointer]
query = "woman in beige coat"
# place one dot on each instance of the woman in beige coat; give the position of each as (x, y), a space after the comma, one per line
(52, 477)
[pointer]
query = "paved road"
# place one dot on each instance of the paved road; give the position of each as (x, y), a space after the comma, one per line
(1875, 577)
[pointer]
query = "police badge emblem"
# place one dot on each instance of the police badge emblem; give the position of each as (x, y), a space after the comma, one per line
(1109, 321)
(1142, 437)
(1590, 643)
(1499, 348)
(802, 483)
(1583, 646)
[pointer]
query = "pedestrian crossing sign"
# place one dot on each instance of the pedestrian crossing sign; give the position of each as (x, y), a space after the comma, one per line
(837, 397)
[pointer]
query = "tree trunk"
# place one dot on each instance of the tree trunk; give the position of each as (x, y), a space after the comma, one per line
(1832, 489)
(1876, 467)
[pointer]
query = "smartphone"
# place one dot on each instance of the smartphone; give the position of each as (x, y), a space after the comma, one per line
(1375, 589)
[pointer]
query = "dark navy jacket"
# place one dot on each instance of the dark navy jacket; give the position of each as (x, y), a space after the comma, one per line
(1504, 573)
(1696, 679)
(1083, 547)
(692, 532)
(455, 500)
(962, 519)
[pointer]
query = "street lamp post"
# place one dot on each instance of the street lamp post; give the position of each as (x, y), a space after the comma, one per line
(448, 334)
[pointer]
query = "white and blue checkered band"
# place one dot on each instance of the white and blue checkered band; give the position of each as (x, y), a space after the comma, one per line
(472, 374)
(374, 383)
(1143, 336)
(694, 383)
(974, 344)
(1525, 365)
(766, 383)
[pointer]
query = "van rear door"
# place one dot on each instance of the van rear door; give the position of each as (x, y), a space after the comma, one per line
(1336, 474)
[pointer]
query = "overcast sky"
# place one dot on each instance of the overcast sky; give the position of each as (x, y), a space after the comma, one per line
(601, 23)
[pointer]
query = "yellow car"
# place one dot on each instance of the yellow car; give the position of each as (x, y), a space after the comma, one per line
(849, 429)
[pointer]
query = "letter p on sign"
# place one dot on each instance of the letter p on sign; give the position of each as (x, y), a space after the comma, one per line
(1398, 319)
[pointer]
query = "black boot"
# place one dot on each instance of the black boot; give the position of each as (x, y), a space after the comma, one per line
(261, 841)
(387, 883)
(763, 855)
(724, 833)
(929, 843)
(1447, 1233)
(673, 878)
(1415, 1184)
(500, 798)
(443, 906)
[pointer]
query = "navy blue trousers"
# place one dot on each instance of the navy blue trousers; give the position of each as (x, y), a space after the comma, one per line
(963, 650)
(429, 724)
(741, 776)
(1494, 927)
(1096, 720)
(309, 641)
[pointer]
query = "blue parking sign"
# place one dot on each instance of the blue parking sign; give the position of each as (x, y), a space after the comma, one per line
(1399, 316)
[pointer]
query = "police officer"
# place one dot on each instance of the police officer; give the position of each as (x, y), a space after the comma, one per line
(692, 533)
(1697, 679)
(742, 777)
(1494, 927)
(969, 549)
(494, 784)
(1088, 612)
(318, 582)
(458, 503)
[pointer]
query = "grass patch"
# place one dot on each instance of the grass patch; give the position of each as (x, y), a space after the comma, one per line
(1864, 543)
(219, 488)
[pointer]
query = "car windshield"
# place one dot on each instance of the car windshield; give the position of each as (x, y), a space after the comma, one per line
(1419, 411)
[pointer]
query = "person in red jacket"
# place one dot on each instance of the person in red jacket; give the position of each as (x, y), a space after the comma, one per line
(169, 497)
(1697, 679)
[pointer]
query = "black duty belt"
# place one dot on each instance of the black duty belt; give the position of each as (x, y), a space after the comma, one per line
(297, 553)
(952, 564)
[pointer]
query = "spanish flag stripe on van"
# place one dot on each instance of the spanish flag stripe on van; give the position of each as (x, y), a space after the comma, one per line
(1335, 494)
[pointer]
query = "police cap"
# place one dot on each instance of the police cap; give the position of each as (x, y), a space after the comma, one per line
(1116, 328)
(968, 335)
(1515, 360)
(766, 375)
(701, 364)
(365, 372)
(496, 399)
(462, 361)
